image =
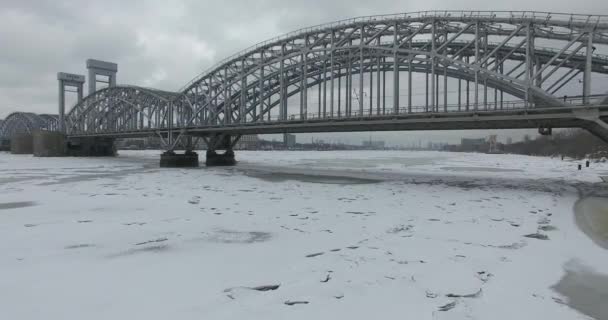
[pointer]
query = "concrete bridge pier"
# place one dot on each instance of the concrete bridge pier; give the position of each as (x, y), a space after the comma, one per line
(170, 159)
(220, 142)
(5, 144)
(220, 159)
(49, 144)
(188, 159)
(22, 143)
(91, 147)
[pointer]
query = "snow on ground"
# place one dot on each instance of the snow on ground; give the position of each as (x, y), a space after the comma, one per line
(350, 235)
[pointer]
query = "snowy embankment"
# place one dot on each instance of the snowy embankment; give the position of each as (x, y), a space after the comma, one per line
(292, 235)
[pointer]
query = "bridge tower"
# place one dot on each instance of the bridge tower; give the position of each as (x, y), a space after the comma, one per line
(94, 146)
(101, 68)
(68, 80)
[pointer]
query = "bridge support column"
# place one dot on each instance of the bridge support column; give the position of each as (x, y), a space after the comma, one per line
(593, 123)
(216, 159)
(91, 147)
(221, 142)
(170, 159)
(22, 144)
(188, 159)
(598, 128)
(49, 144)
(5, 144)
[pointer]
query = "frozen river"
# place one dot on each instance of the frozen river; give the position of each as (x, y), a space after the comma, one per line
(303, 235)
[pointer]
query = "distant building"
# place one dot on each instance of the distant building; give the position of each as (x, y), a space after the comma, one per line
(493, 144)
(248, 142)
(152, 142)
(371, 144)
(473, 144)
(131, 143)
(289, 140)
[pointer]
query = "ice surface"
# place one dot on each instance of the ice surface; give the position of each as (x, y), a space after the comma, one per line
(344, 235)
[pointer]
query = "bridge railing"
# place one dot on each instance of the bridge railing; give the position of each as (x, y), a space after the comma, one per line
(374, 112)
(441, 109)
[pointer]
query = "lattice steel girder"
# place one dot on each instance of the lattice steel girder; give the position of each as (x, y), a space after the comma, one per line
(506, 119)
(113, 108)
(544, 54)
(246, 87)
(358, 32)
(26, 122)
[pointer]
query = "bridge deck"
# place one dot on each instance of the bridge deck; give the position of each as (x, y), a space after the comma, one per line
(556, 117)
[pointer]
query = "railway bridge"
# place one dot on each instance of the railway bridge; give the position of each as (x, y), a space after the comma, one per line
(430, 70)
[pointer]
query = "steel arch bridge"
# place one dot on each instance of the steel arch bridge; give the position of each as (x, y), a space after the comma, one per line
(473, 70)
(26, 123)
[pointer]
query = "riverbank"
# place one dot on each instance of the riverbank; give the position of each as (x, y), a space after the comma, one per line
(591, 215)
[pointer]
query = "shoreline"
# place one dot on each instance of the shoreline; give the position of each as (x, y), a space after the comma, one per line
(591, 212)
(591, 217)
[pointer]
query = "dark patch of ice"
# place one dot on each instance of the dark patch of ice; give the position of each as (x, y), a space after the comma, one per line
(152, 241)
(314, 177)
(150, 249)
(448, 306)
(312, 255)
(134, 223)
(513, 246)
(469, 295)
(538, 236)
(401, 228)
(15, 205)
(480, 169)
(585, 288)
(266, 287)
(291, 303)
(547, 228)
(79, 246)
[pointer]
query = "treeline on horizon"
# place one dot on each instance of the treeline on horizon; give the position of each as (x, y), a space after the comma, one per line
(573, 143)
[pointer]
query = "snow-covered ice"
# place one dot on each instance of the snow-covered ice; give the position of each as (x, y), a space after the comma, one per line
(294, 235)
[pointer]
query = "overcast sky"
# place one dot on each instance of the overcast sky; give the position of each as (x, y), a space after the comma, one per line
(164, 44)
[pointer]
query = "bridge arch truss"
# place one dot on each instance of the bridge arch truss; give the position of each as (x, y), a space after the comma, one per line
(26, 123)
(376, 66)
(127, 109)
